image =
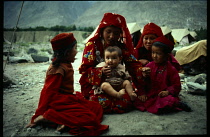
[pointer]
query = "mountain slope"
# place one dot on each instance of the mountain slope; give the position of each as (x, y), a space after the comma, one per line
(175, 14)
(43, 13)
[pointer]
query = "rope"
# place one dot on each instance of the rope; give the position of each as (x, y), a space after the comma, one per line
(13, 37)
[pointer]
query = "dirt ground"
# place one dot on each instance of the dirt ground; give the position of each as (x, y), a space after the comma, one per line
(20, 102)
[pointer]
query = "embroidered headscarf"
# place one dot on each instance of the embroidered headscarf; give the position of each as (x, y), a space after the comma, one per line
(118, 21)
(150, 28)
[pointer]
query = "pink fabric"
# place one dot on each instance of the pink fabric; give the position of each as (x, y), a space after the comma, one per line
(167, 79)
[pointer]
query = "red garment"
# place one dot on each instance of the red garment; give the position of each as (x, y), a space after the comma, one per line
(165, 41)
(142, 53)
(150, 28)
(163, 78)
(62, 107)
(93, 76)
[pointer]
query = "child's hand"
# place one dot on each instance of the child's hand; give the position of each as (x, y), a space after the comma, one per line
(106, 71)
(163, 93)
(144, 62)
(143, 98)
(146, 71)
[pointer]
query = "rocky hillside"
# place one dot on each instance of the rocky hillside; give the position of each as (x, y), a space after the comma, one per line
(43, 13)
(175, 14)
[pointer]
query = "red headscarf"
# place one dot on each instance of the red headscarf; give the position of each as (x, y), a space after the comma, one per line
(165, 41)
(150, 28)
(118, 21)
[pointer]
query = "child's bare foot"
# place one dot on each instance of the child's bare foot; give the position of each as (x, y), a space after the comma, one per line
(121, 93)
(133, 96)
(36, 121)
(60, 128)
(30, 125)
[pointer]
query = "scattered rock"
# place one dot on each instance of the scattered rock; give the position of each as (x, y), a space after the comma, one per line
(39, 58)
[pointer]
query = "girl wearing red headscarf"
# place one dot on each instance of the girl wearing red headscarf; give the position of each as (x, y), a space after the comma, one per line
(112, 31)
(59, 104)
(163, 82)
(151, 31)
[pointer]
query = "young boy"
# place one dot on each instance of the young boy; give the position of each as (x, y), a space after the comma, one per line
(119, 80)
(58, 102)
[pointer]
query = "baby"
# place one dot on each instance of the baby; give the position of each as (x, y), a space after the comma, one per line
(118, 81)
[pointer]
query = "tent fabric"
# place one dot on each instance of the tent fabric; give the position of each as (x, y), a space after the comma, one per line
(165, 30)
(193, 34)
(190, 53)
(132, 27)
(179, 34)
(91, 35)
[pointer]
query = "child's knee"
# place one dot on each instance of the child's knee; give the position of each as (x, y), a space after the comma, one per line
(105, 85)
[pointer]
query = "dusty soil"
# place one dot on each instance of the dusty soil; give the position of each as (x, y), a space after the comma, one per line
(20, 102)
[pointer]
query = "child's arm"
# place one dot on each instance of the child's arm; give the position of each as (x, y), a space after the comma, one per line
(174, 82)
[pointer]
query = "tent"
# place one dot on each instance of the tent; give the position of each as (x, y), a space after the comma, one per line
(181, 36)
(193, 34)
(190, 53)
(166, 30)
(133, 27)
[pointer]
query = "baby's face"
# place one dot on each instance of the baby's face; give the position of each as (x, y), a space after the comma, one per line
(112, 59)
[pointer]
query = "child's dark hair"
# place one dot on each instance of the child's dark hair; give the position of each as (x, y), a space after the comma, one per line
(59, 56)
(163, 46)
(114, 48)
(62, 44)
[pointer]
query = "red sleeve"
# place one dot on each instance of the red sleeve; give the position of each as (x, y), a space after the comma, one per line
(89, 73)
(51, 86)
(174, 82)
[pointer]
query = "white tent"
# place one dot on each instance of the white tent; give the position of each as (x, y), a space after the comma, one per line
(133, 27)
(193, 34)
(166, 30)
(181, 36)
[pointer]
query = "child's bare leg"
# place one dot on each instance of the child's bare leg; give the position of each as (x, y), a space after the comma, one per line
(127, 85)
(106, 87)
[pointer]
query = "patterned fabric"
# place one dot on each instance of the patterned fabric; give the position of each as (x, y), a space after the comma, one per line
(93, 54)
(163, 77)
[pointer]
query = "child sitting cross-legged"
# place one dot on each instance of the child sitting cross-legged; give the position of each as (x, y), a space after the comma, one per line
(162, 82)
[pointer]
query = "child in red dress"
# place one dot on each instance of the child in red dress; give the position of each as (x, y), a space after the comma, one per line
(59, 103)
(161, 93)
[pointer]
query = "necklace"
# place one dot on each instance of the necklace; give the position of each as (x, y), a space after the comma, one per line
(159, 71)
